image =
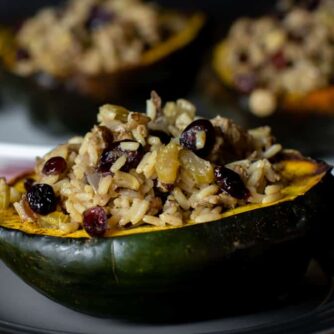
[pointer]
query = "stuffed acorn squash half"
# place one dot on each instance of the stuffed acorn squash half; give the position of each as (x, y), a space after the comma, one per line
(164, 215)
(283, 61)
(84, 53)
(278, 70)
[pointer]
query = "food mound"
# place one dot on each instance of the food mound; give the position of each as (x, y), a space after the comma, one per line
(165, 168)
(92, 36)
(290, 53)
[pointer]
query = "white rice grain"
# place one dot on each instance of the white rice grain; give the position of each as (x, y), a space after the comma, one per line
(203, 218)
(23, 214)
(171, 219)
(153, 141)
(151, 110)
(272, 198)
(80, 208)
(104, 185)
(83, 197)
(136, 213)
(182, 121)
(118, 164)
(129, 146)
(204, 192)
(68, 227)
(126, 180)
(147, 164)
(93, 155)
(272, 151)
(138, 210)
(152, 220)
(256, 178)
(273, 189)
(181, 198)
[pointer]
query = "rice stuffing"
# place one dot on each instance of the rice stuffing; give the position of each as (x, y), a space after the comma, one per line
(182, 170)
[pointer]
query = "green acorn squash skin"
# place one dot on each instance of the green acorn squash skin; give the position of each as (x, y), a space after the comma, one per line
(178, 273)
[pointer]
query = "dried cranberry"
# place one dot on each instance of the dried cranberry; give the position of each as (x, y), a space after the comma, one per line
(54, 166)
(279, 61)
(98, 17)
(230, 182)
(22, 54)
(42, 199)
(95, 221)
(243, 57)
(191, 137)
(164, 137)
(312, 5)
(28, 183)
(115, 151)
(246, 82)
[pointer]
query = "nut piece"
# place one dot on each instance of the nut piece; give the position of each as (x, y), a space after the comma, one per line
(262, 102)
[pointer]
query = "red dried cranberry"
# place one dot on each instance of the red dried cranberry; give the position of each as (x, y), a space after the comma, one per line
(189, 137)
(22, 54)
(230, 182)
(243, 57)
(279, 61)
(54, 166)
(246, 82)
(42, 199)
(115, 151)
(312, 5)
(95, 221)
